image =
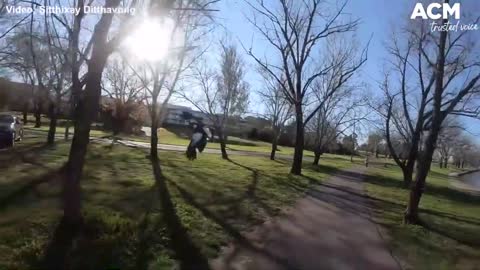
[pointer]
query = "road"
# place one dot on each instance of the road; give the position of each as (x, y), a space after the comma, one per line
(331, 228)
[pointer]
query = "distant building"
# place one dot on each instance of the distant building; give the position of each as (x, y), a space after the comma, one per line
(183, 116)
(19, 96)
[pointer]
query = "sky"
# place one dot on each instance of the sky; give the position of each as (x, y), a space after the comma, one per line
(378, 19)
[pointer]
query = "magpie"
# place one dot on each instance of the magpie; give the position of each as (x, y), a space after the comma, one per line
(198, 141)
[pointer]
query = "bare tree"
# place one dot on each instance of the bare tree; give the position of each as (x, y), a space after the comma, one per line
(405, 119)
(448, 141)
(336, 104)
(24, 55)
(87, 91)
(295, 29)
(453, 62)
(55, 79)
(125, 91)
(162, 79)
(467, 153)
(8, 24)
(278, 109)
(223, 94)
(16, 58)
(335, 117)
(374, 142)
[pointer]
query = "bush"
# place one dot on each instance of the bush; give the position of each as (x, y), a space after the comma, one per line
(265, 135)
(253, 134)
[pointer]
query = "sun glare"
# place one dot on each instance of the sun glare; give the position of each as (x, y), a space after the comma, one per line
(150, 40)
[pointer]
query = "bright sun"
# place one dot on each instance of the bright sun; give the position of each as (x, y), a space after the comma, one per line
(151, 39)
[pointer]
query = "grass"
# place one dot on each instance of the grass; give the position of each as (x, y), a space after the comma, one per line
(60, 131)
(448, 238)
(127, 223)
(233, 144)
(167, 137)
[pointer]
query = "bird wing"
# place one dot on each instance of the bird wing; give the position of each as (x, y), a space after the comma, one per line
(196, 138)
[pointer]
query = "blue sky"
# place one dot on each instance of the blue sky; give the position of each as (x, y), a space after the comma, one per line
(377, 22)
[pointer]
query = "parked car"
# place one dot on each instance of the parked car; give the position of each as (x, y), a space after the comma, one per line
(11, 129)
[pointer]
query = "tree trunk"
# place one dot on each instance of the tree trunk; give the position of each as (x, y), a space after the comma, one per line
(223, 145)
(299, 142)
(274, 147)
(425, 159)
(441, 163)
(38, 115)
(86, 111)
(418, 187)
(25, 113)
(407, 176)
(66, 135)
(445, 163)
(316, 159)
(53, 124)
(154, 138)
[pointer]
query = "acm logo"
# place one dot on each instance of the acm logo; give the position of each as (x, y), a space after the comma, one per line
(436, 11)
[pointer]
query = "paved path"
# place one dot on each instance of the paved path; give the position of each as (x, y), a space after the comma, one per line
(328, 229)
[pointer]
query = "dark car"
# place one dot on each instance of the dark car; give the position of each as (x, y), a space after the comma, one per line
(11, 129)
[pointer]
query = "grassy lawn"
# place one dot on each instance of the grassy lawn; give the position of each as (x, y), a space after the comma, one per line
(233, 144)
(450, 237)
(60, 131)
(128, 225)
(167, 137)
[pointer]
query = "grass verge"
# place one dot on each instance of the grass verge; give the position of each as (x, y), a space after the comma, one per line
(128, 223)
(449, 238)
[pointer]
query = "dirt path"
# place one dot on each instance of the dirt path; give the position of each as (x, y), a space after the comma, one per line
(330, 228)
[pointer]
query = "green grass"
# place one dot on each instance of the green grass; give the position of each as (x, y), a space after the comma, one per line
(449, 238)
(167, 137)
(60, 131)
(126, 222)
(234, 143)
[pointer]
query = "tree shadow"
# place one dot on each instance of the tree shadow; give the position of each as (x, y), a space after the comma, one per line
(25, 189)
(142, 255)
(321, 168)
(186, 252)
(452, 194)
(230, 230)
(433, 190)
(251, 188)
(234, 204)
(23, 154)
(56, 252)
(385, 181)
(450, 233)
(455, 227)
(456, 218)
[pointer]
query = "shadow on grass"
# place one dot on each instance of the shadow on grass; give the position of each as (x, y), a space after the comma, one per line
(327, 169)
(230, 230)
(186, 252)
(27, 153)
(234, 203)
(433, 190)
(452, 232)
(253, 185)
(453, 226)
(56, 253)
(51, 175)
